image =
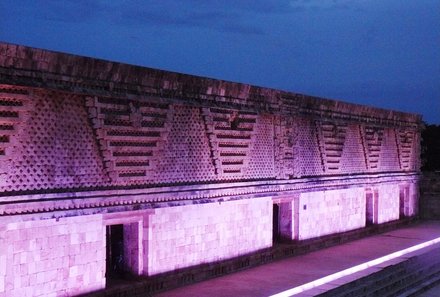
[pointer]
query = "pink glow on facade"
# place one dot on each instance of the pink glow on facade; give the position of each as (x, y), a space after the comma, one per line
(52, 257)
(141, 171)
(336, 210)
(195, 234)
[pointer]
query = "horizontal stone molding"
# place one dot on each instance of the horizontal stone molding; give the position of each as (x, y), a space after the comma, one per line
(80, 203)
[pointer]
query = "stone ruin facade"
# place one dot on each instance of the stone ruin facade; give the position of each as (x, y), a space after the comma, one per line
(107, 167)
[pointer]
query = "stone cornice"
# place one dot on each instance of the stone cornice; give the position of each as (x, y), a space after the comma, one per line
(72, 203)
(32, 67)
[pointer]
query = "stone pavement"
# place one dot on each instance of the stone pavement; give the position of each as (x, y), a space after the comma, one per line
(279, 276)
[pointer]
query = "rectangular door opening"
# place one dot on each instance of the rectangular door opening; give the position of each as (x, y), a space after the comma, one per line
(371, 211)
(403, 201)
(276, 223)
(115, 261)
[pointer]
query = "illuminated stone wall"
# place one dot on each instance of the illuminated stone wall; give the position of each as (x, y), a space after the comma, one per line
(194, 234)
(337, 210)
(54, 140)
(388, 206)
(62, 257)
(194, 169)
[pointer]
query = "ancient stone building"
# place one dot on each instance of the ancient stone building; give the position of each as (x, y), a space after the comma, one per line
(107, 168)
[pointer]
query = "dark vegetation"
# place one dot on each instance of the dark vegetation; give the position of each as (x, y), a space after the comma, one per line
(431, 148)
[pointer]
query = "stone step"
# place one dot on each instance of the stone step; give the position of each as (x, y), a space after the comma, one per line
(423, 286)
(393, 280)
(407, 282)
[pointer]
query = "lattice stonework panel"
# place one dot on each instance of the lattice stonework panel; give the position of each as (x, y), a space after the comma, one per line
(261, 163)
(353, 158)
(309, 160)
(406, 149)
(331, 143)
(187, 157)
(372, 141)
(389, 159)
(231, 136)
(132, 134)
(55, 147)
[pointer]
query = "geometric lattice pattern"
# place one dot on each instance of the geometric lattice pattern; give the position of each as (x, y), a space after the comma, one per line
(353, 157)
(56, 147)
(76, 122)
(51, 140)
(186, 157)
(131, 135)
(331, 141)
(231, 136)
(261, 161)
(309, 160)
(389, 159)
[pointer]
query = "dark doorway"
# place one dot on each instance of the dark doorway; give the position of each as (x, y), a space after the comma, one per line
(276, 223)
(403, 200)
(115, 252)
(371, 211)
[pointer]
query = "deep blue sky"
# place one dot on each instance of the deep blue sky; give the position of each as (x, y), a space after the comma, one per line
(384, 53)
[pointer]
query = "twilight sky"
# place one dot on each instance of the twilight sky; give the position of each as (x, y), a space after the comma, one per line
(384, 53)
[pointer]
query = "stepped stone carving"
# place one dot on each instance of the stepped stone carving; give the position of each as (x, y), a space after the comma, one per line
(132, 134)
(406, 149)
(231, 135)
(331, 142)
(13, 106)
(13, 112)
(127, 130)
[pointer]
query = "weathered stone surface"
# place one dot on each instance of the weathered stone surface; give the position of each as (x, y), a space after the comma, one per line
(196, 170)
(60, 257)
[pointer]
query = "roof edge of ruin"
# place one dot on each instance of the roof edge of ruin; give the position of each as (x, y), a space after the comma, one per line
(28, 66)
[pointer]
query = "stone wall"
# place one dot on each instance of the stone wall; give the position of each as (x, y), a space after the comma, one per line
(312, 214)
(62, 257)
(189, 170)
(119, 125)
(56, 140)
(50, 142)
(388, 203)
(195, 234)
(337, 211)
